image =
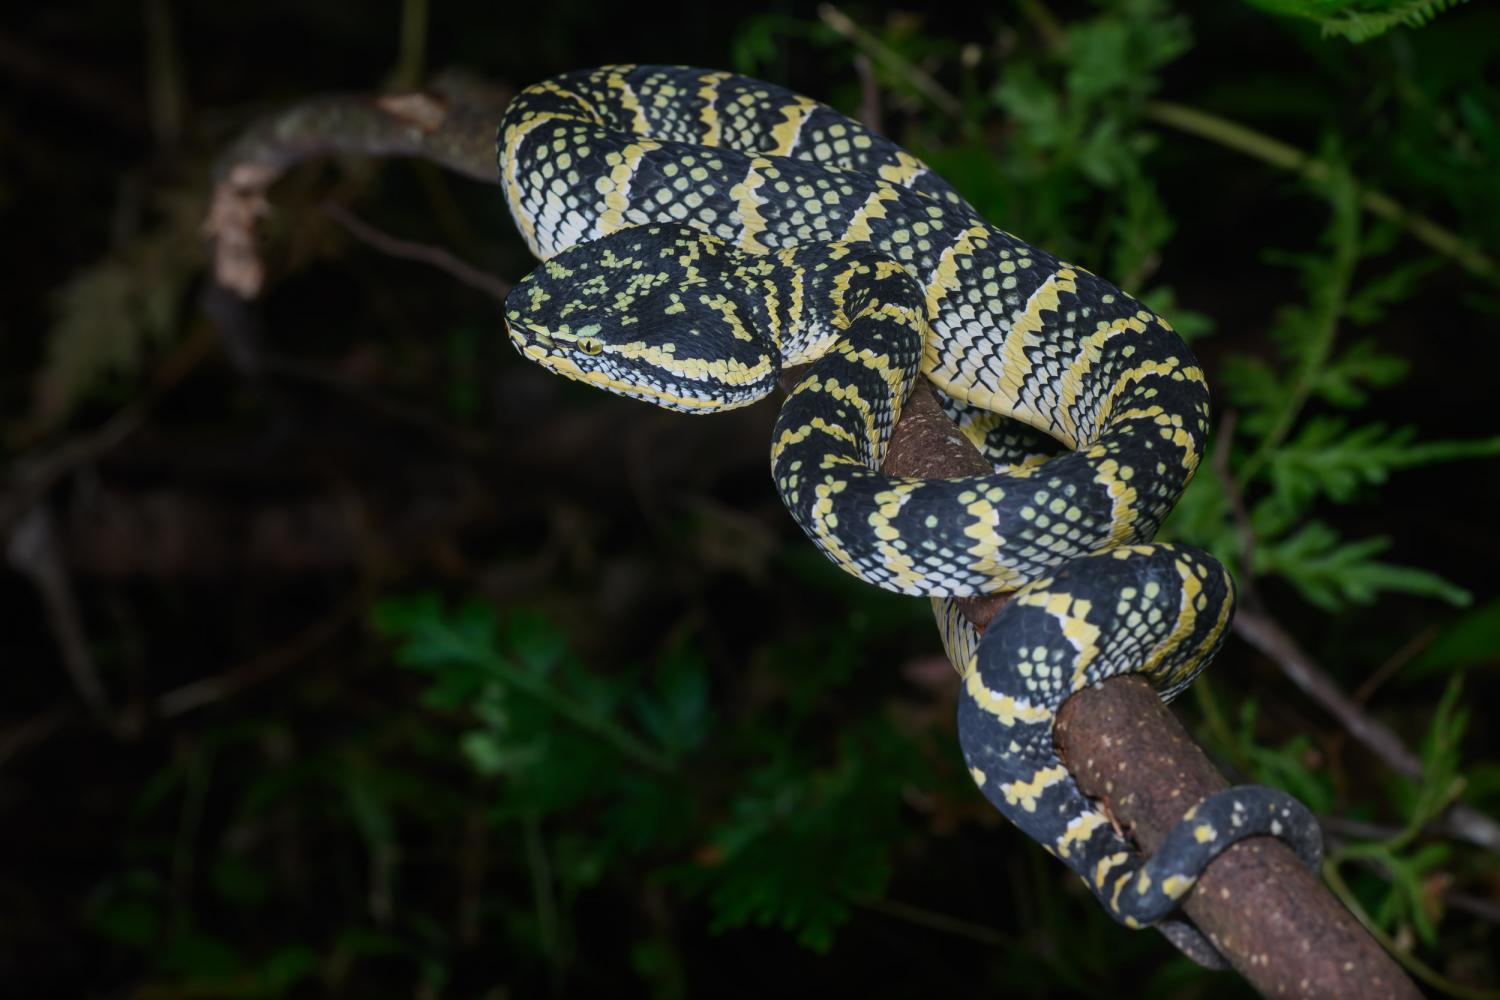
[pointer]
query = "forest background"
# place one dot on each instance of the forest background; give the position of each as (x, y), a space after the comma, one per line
(346, 651)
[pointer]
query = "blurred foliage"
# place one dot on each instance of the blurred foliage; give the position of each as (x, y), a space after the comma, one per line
(1359, 20)
(597, 738)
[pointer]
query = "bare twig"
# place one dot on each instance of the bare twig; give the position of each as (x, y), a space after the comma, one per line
(114, 99)
(1393, 664)
(34, 552)
(919, 79)
(36, 474)
(195, 694)
(869, 113)
(217, 687)
(933, 920)
(1219, 463)
(1266, 634)
(438, 257)
(1237, 137)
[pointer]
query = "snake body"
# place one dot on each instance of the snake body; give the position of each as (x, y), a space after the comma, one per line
(700, 231)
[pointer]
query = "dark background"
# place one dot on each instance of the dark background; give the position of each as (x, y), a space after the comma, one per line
(265, 799)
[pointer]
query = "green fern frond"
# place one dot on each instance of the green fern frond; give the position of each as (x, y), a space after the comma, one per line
(1360, 20)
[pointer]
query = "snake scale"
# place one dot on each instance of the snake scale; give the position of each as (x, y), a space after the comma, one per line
(700, 231)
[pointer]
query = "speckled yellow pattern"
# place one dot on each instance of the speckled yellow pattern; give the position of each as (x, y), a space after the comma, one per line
(702, 230)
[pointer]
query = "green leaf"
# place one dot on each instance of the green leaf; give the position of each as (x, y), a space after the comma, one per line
(1190, 324)
(1332, 573)
(1369, 302)
(1359, 20)
(799, 843)
(675, 716)
(1472, 640)
(1328, 459)
(286, 968)
(1345, 378)
(199, 956)
(127, 920)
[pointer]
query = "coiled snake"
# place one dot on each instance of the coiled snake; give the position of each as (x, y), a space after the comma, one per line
(702, 230)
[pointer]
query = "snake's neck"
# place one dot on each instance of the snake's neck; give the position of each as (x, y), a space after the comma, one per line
(845, 296)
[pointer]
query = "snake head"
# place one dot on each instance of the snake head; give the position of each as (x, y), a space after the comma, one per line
(663, 313)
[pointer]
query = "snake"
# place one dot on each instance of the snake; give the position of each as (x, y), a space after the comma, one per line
(700, 232)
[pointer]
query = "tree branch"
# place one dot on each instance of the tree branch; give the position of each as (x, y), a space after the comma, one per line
(452, 124)
(1270, 916)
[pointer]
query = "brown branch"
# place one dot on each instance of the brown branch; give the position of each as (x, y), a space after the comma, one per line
(1270, 916)
(452, 125)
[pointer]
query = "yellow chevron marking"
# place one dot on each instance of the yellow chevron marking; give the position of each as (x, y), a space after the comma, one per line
(784, 135)
(858, 230)
(1079, 830)
(708, 93)
(747, 204)
(616, 187)
(1026, 794)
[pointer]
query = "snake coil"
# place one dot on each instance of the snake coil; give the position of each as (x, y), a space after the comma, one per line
(701, 230)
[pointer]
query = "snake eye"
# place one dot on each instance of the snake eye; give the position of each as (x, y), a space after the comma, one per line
(588, 345)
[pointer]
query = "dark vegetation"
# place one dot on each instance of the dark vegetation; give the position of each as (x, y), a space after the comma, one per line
(346, 652)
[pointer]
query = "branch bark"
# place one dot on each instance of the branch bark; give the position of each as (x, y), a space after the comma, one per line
(451, 124)
(1274, 921)
(1270, 917)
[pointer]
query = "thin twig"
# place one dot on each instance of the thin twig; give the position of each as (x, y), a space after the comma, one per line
(34, 552)
(1219, 463)
(197, 694)
(438, 257)
(36, 474)
(919, 79)
(116, 100)
(933, 920)
(1266, 634)
(869, 113)
(216, 687)
(1232, 135)
(1393, 663)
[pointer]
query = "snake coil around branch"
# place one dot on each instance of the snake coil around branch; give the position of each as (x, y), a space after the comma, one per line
(701, 231)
